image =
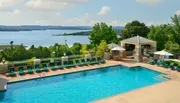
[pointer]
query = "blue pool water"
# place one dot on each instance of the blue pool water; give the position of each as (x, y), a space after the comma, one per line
(80, 87)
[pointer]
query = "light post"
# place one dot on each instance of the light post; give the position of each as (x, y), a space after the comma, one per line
(11, 42)
(65, 48)
(3, 60)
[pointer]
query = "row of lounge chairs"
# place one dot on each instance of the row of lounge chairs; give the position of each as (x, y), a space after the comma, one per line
(166, 64)
(52, 66)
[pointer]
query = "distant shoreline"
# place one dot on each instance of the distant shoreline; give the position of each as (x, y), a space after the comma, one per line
(38, 30)
(83, 33)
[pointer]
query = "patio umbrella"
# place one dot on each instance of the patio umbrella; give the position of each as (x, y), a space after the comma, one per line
(119, 48)
(163, 53)
(112, 45)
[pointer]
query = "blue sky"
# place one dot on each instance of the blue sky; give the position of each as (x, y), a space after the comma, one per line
(86, 12)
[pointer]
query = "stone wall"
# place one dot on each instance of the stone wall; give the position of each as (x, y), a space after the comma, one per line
(3, 68)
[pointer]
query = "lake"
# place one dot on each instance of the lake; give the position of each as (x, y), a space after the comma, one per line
(41, 37)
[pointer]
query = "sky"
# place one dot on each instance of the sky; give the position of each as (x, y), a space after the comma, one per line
(86, 12)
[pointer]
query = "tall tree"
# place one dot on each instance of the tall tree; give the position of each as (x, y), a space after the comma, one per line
(160, 34)
(102, 31)
(76, 48)
(176, 28)
(134, 28)
(172, 47)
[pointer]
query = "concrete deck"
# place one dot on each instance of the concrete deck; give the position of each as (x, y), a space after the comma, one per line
(166, 92)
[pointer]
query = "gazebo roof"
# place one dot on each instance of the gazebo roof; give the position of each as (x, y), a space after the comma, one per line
(138, 39)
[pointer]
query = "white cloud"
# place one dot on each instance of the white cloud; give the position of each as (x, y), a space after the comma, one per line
(9, 3)
(104, 10)
(117, 23)
(52, 4)
(177, 12)
(149, 2)
(47, 4)
(15, 12)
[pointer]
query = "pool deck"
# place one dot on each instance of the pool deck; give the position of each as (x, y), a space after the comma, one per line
(165, 92)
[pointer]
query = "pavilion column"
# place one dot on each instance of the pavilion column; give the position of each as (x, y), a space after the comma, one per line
(138, 54)
(153, 47)
(123, 54)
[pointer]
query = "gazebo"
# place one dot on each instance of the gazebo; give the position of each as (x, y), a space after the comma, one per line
(138, 46)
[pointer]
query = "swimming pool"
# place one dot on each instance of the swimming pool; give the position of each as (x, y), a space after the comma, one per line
(80, 87)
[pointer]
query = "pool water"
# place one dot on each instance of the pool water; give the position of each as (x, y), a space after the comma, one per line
(80, 87)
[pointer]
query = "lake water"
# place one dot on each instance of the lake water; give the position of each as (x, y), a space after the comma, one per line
(41, 37)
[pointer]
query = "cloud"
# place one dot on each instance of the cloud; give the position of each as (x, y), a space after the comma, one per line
(15, 12)
(104, 10)
(149, 2)
(51, 4)
(117, 23)
(177, 12)
(9, 3)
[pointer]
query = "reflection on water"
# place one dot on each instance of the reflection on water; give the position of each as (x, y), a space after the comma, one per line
(2, 95)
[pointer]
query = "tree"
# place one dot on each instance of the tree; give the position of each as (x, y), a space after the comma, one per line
(76, 48)
(101, 48)
(176, 28)
(160, 34)
(172, 47)
(84, 50)
(134, 28)
(102, 31)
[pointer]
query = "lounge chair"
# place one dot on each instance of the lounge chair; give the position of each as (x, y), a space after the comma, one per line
(66, 64)
(94, 60)
(44, 67)
(100, 60)
(173, 66)
(59, 65)
(29, 70)
(37, 69)
(178, 68)
(153, 62)
(166, 64)
(11, 71)
(91, 62)
(159, 62)
(21, 70)
(84, 62)
(52, 66)
(78, 63)
(71, 64)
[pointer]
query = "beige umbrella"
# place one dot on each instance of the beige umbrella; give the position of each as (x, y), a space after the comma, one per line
(163, 53)
(119, 48)
(112, 45)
